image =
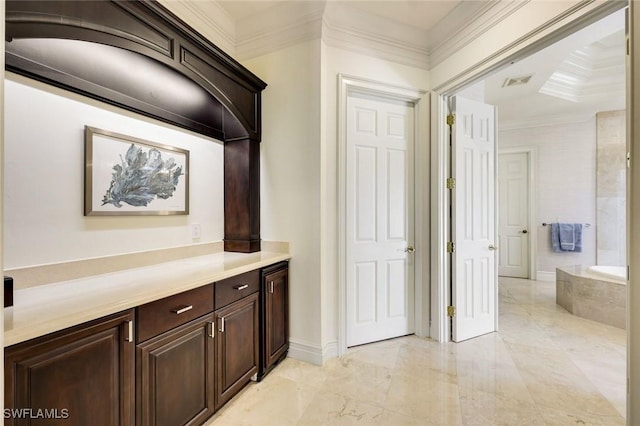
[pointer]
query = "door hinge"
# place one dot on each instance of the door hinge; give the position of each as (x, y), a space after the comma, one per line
(451, 119)
(451, 247)
(451, 311)
(451, 183)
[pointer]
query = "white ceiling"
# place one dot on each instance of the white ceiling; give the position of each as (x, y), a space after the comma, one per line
(571, 80)
(422, 14)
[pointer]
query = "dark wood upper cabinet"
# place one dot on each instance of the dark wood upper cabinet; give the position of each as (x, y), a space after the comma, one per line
(179, 76)
(139, 56)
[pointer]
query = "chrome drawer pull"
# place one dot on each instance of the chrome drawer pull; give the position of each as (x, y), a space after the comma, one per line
(221, 329)
(211, 326)
(241, 287)
(182, 310)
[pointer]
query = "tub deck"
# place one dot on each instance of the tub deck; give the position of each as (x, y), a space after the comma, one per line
(588, 296)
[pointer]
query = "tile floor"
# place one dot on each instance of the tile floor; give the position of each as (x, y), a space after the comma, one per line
(544, 367)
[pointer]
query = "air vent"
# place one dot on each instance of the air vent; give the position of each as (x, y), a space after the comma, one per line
(516, 81)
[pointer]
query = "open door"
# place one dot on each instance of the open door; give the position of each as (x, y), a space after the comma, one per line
(473, 223)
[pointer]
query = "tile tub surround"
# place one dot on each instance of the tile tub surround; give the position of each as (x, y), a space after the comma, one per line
(55, 306)
(591, 297)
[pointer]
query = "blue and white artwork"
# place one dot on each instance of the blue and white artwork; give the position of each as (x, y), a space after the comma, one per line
(141, 176)
(130, 176)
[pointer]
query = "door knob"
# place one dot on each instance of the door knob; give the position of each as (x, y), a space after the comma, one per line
(492, 247)
(524, 231)
(409, 249)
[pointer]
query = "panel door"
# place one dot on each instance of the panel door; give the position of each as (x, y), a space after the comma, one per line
(237, 344)
(379, 222)
(513, 215)
(175, 375)
(474, 274)
(276, 317)
(82, 376)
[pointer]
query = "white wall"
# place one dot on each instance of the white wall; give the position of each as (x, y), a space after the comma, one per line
(43, 187)
(565, 173)
(290, 181)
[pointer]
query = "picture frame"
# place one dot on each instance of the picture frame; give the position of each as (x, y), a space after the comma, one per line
(129, 176)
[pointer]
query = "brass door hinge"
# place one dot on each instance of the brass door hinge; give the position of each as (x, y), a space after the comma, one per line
(451, 247)
(451, 183)
(451, 119)
(451, 311)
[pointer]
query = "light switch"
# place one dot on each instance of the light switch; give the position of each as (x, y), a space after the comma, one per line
(196, 231)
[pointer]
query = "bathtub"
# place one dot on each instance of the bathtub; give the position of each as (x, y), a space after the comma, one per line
(598, 293)
(616, 273)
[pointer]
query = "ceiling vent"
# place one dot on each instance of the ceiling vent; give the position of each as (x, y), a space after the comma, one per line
(516, 81)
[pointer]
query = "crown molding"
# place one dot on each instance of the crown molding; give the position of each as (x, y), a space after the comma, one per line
(209, 19)
(470, 19)
(546, 121)
(279, 27)
(352, 29)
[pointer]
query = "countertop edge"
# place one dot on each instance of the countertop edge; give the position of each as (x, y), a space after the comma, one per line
(22, 323)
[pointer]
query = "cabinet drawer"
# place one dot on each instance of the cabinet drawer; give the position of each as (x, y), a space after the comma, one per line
(235, 288)
(164, 314)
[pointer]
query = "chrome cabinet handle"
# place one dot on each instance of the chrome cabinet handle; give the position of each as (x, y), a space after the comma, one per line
(271, 287)
(129, 331)
(221, 329)
(409, 249)
(492, 247)
(182, 309)
(211, 327)
(241, 287)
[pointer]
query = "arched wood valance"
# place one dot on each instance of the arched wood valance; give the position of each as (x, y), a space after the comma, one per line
(77, 45)
(139, 56)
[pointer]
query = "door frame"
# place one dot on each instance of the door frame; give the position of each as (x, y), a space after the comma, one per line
(533, 204)
(585, 14)
(348, 85)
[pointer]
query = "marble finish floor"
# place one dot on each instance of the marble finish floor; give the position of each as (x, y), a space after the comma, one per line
(544, 367)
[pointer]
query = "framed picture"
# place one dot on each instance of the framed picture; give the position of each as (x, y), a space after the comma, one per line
(129, 176)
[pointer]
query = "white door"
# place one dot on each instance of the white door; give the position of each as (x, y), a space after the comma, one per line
(473, 226)
(379, 223)
(513, 214)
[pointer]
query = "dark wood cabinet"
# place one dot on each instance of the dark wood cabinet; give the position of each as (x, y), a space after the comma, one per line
(237, 344)
(81, 376)
(182, 358)
(274, 323)
(175, 375)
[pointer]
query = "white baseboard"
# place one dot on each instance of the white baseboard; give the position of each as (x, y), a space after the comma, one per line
(546, 276)
(307, 352)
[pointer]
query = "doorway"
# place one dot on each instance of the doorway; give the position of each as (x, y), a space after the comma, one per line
(411, 250)
(534, 228)
(515, 208)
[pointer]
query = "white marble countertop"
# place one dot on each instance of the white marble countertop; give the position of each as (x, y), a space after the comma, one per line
(47, 308)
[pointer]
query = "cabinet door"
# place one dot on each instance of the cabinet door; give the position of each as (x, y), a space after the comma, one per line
(275, 322)
(80, 376)
(236, 346)
(175, 383)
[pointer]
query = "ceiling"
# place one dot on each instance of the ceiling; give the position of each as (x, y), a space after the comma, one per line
(420, 14)
(569, 81)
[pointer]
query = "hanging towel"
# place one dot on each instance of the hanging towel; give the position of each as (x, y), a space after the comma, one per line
(566, 237)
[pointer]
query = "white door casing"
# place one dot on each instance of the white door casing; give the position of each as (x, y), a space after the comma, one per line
(473, 226)
(379, 222)
(513, 214)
